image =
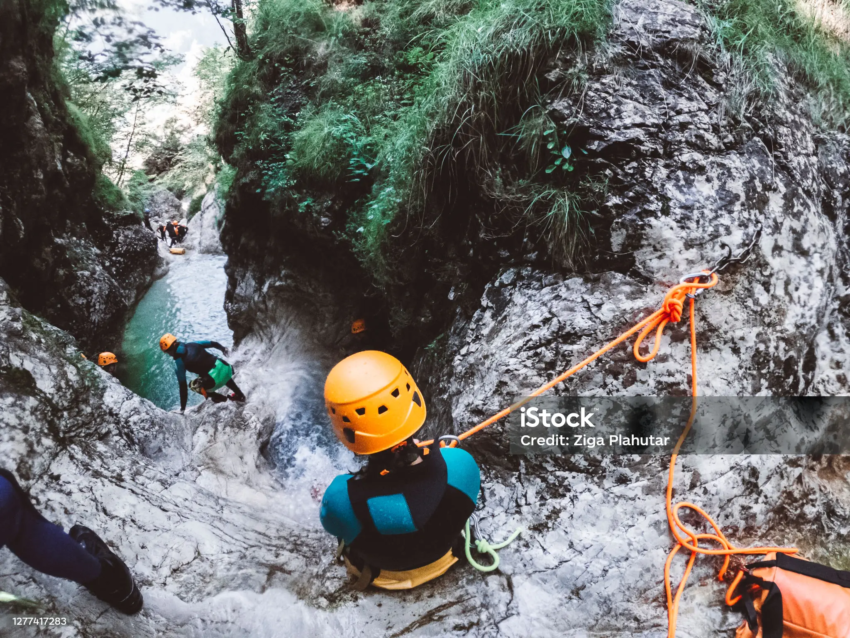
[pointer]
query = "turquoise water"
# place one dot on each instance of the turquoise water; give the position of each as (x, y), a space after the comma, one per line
(189, 303)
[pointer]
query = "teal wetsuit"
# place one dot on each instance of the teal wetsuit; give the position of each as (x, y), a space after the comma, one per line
(213, 371)
(408, 518)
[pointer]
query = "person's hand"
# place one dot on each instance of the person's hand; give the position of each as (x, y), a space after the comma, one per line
(225, 351)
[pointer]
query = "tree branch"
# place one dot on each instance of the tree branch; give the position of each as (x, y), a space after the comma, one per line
(223, 30)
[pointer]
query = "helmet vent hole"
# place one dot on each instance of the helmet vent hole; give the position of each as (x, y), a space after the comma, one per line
(333, 410)
(349, 434)
(360, 411)
(395, 393)
(408, 387)
(346, 419)
(382, 409)
(416, 399)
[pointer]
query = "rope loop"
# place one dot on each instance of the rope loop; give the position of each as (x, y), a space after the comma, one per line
(672, 310)
(483, 547)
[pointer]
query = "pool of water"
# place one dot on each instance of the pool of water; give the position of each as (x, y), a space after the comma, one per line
(189, 303)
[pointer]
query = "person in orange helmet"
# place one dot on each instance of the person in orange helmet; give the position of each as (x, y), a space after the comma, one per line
(213, 373)
(399, 519)
(108, 361)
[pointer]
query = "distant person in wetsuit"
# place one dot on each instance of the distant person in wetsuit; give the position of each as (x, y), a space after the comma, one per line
(213, 373)
(161, 230)
(147, 215)
(108, 361)
(399, 519)
(176, 232)
(80, 556)
(182, 230)
(173, 234)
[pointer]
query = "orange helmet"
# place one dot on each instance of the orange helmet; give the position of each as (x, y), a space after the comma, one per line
(373, 402)
(358, 326)
(166, 341)
(106, 358)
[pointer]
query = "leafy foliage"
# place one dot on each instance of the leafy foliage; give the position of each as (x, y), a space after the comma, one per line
(758, 34)
(411, 115)
(195, 206)
(138, 188)
(395, 92)
(108, 196)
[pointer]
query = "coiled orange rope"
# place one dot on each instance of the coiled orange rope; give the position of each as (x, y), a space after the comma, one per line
(670, 311)
(687, 539)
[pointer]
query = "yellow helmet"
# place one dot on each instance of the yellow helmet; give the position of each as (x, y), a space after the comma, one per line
(166, 341)
(373, 402)
(358, 326)
(105, 358)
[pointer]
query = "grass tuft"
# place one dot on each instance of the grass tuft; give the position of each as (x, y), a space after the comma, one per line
(758, 34)
(410, 114)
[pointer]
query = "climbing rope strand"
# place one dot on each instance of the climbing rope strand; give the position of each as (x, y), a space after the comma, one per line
(688, 539)
(670, 311)
(483, 547)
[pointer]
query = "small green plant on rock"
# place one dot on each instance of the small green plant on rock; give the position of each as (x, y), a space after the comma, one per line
(560, 153)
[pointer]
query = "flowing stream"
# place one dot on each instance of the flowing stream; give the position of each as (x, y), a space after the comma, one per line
(187, 302)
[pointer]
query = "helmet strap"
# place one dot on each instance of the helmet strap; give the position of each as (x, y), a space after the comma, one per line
(396, 458)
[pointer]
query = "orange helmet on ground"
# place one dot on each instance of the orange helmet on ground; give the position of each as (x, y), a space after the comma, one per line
(166, 341)
(358, 326)
(373, 402)
(106, 358)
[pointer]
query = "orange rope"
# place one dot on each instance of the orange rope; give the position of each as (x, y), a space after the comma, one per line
(676, 525)
(670, 311)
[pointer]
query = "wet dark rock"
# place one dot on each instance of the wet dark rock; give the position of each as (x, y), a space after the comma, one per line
(224, 545)
(65, 258)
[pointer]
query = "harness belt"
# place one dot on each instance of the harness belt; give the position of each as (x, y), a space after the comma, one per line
(407, 579)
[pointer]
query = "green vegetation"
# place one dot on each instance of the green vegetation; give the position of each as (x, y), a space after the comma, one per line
(195, 206)
(90, 136)
(393, 92)
(412, 115)
(758, 33)
(224, 181)
(108, 196)
(138, 189)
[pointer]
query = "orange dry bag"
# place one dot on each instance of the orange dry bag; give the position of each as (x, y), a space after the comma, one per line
(787, 597)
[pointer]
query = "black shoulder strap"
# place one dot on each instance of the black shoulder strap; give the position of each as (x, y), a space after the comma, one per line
(813, 570)
(806, 568)
(771, 612)
(359, 493)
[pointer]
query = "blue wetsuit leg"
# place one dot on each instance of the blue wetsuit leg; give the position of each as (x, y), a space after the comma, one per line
(39, 543)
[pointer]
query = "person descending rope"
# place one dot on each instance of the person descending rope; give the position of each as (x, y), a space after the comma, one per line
(214, 373)
(80, 556)
(108, 361)
(399, 519)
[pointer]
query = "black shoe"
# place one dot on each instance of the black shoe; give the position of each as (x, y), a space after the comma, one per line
(115, 585)
(237, 397)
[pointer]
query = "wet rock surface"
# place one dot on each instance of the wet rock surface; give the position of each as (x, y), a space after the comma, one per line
(204, 229)
(80, 267)
(225, 545)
